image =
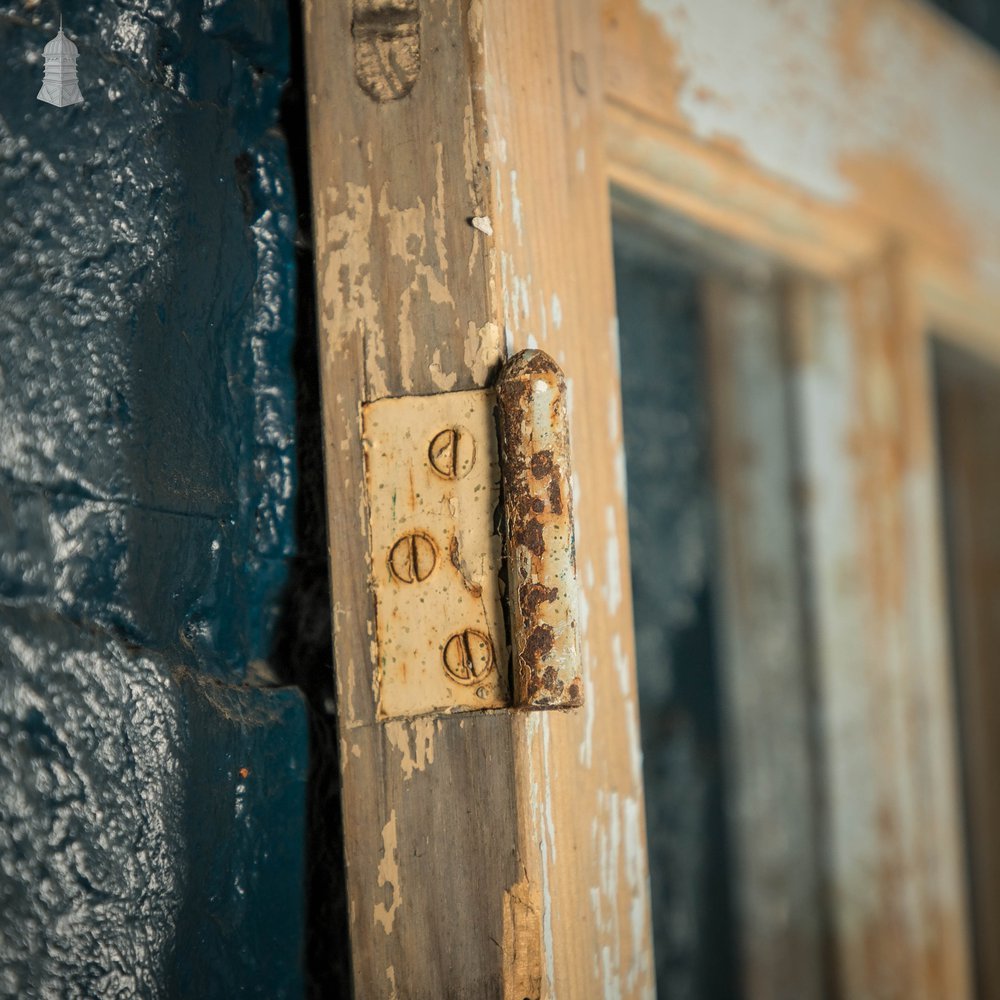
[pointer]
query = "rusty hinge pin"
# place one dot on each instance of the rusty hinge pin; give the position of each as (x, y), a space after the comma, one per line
(541, 556)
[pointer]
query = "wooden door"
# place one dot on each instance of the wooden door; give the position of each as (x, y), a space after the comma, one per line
(462, 155)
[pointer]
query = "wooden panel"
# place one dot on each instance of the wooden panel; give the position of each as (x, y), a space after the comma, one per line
(767, 683)
(870, 111)
(493, 855)
(969, 408)
(870, 512)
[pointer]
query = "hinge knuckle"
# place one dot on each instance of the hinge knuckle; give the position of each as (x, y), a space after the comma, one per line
(541, 550)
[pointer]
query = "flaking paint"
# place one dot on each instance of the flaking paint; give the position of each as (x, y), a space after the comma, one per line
(856, 110)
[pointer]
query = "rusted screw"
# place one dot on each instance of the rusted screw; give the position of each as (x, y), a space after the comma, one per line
(412, 558)
(452, 452)
(468, 656)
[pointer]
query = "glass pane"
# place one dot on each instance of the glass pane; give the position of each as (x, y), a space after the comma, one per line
(968, 399)
(670, 529)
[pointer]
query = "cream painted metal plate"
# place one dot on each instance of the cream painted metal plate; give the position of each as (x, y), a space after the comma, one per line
(433, 484)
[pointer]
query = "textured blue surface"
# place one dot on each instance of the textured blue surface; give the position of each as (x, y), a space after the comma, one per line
(147, 436)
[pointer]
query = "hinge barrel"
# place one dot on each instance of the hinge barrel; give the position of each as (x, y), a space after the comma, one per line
(540, 544)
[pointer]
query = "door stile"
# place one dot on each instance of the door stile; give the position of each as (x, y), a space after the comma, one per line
(461, 212)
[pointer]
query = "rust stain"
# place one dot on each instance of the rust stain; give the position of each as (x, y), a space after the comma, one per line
(874, 444)
(852, 20)
(532, 594)
(891, 188)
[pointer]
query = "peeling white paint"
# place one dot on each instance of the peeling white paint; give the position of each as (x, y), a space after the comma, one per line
(635, 880)
(612, 587)
(557, 316)
(615, 348)
(442, 380)
(483, 224)
(616, 831)
(482, 350)
(515, 204)
(613, 418)
(542, 820)
(622, 664)
(414, 739)
(621, 475)
(817, 101)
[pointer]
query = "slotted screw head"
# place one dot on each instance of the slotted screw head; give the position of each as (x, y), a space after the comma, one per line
(412, 558)
(452, 452)
(468, 656)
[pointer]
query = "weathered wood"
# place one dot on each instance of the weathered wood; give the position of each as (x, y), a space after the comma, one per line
(429, 806)
(579, 772)
(902, 160)
(492, 855)
(868, 494)
(861, 146)
(773, 791)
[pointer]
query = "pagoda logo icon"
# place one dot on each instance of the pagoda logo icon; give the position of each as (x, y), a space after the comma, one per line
(59, 86)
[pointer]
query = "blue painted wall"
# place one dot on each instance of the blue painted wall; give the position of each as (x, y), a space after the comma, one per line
(152, 782)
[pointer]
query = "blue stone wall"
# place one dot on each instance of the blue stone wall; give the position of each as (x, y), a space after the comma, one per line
(152, 776)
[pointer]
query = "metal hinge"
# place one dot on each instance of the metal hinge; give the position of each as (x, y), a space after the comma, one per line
(436, 470)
